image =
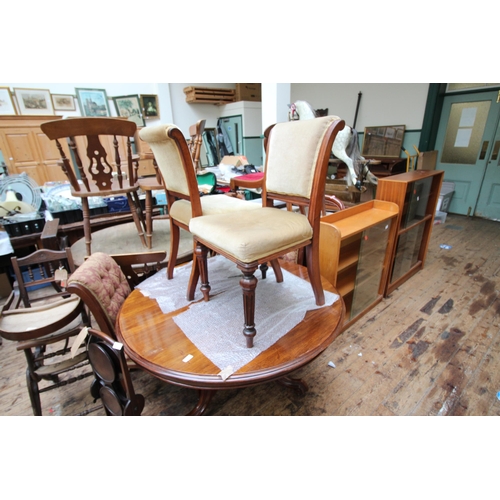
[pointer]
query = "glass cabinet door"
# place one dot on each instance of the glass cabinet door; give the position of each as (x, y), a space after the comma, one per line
(370, 266)
(416, 201)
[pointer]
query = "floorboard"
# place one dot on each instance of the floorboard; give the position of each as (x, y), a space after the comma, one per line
(431, 348)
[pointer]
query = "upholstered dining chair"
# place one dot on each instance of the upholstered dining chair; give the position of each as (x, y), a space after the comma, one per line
(105, 143)
(150, 184)
(183, 198)
(41, 316)
(296, 163)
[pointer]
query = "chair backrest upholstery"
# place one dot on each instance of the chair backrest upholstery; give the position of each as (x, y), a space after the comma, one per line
(103, 287)
(100, 145)
(293, 152)
(39, 269)
(172, 156)
(196, 134)
(103, 282)
(297, 157)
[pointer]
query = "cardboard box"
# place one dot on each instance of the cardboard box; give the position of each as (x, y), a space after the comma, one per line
(235, 161)
(427, 160)
(248, 92)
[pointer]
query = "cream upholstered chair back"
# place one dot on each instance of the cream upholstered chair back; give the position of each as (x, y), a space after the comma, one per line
(292, 154)
(168, 158)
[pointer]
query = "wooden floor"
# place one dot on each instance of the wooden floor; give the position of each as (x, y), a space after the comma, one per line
(431, 348)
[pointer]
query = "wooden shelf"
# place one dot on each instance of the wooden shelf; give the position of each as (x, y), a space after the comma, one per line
(356, 245)
(416, 193)
(207, 95)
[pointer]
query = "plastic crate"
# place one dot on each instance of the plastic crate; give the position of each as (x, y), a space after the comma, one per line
(447, 190)
(117, 204)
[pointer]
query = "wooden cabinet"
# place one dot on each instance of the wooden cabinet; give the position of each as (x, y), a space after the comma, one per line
(26, 148)
(356, 245)
(416, 193)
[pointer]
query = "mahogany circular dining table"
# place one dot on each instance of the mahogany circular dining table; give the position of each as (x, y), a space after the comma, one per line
(156, 344)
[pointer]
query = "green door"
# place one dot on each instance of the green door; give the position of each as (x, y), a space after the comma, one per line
(466, 139)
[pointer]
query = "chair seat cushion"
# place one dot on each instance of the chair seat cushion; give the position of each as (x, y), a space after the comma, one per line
(211, 205)
(36, 319)
(250, 236)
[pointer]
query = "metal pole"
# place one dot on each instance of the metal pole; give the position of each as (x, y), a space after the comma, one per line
(357, 108)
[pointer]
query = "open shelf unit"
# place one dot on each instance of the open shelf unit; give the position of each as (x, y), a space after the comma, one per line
(356, 245)
(416, 193)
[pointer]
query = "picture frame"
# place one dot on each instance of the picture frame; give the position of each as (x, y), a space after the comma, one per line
(34, 101)
(129, 106)
(7, 106)
(93, 102)
(149, 106)
(63, 102)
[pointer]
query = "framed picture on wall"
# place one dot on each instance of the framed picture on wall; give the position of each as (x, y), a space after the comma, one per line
(34, 101)
(93, 102)
(129, 106)
(149, 105)
(6, 102)
(63, 102)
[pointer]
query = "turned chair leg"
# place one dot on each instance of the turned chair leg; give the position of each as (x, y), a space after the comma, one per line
(137, 218)
(194, 277)
(248, 284)
(315, 277)
(201, 256)
(174, 248)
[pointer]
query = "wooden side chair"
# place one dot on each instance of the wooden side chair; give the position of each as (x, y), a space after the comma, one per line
(103, 173)
(43, 321)
(183, 198)
(296, 163)
(194, 144)
(113, 381)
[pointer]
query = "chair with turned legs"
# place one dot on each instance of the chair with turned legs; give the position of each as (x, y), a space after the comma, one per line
(297, 157)
(183, 198)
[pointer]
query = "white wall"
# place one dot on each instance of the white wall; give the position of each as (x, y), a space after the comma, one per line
(381, 103)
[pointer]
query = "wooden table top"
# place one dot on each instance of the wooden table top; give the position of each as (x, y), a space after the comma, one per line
(158, 345)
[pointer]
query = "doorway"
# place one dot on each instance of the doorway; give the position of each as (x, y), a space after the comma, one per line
(468, 140)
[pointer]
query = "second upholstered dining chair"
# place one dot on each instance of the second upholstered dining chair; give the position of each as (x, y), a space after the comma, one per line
(183, 198)
(296, 164)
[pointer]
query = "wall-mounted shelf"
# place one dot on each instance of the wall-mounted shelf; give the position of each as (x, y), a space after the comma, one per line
(207, 95)
(416, 193)
(356, 245)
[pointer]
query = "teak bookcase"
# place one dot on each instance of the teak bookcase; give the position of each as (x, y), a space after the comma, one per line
(356, 246)
(416, 193)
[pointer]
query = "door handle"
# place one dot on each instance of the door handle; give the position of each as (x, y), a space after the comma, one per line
(496, 149)
(482, 156)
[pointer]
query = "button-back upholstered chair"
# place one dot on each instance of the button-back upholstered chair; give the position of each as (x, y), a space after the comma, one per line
(103, 282)
(296, 164)
(102, 174)
(183, 198)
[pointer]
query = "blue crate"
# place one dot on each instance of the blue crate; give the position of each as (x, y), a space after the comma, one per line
(117, 204)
